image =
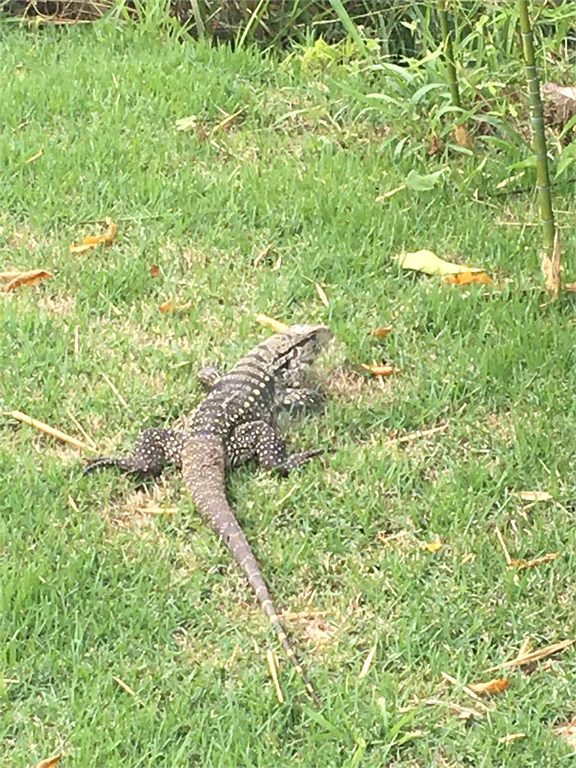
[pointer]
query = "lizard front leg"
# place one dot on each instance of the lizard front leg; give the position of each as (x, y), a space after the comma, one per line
(258, 439)
(153, 448)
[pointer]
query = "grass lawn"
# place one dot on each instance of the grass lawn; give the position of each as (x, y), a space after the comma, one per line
(98, 587)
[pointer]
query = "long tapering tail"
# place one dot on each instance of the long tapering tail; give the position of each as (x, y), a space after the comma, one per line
(203, 473)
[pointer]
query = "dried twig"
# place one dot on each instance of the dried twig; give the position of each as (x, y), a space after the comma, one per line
(49, 430)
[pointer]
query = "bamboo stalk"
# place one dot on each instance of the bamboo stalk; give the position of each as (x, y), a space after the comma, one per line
(538, 135)
(449, 54)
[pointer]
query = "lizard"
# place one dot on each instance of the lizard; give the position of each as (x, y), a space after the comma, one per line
(237, 421)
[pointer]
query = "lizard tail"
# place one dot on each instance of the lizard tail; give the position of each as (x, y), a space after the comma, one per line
(209, 497)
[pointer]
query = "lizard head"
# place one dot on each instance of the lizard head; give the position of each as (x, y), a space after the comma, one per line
(294, 350)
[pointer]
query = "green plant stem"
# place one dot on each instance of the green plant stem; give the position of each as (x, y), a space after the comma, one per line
(449, 53)
(539, 138)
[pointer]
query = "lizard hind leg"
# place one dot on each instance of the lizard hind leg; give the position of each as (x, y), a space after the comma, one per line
(153, 448)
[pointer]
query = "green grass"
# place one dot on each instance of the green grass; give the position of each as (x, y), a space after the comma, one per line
(94, 589)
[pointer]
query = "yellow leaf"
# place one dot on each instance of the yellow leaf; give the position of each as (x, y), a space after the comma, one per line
(49, 762)
(381, 370)
(466, 278)
(428, 262)
(32, 277)
(491, 687)
(276, 325)
(381, 333)
(322, 294)
(432, 546)
(90, 241)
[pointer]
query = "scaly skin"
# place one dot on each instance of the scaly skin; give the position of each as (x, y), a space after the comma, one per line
(237, 422)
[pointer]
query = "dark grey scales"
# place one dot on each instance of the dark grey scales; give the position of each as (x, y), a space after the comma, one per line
(237, 422)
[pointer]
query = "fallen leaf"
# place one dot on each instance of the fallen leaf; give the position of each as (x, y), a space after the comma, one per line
(463, 136)
(322, 294)
(90, 241)
(390, 193)
(432, 546)
(276, 325)
(568, 732)
(381, 333)
(32, 277)
(571, 287)
(531, 563)
(534, 655)
(466, 278)
(534, 495)
(381, 370)
(551, 267)
(170, 306)
(49, 762)
(424, 182)
(435, 145)
(10, 275)
(427, 262)
(154, 270)
(498, 685)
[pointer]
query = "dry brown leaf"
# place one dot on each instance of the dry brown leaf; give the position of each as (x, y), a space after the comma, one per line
(571, 287)
(534, 655)
(432, 546)
(10, 275)
(49, 762)
(531, 563)
(381, 370)
(498, 685)
(568, 732)
(276, 325)
(435, 145)
(534, 495)
(154, 270)
(463, 136)
(322, 294)
(551, 268)
(381, 333)
(32, 277)
(466, 278)
(90, 241)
